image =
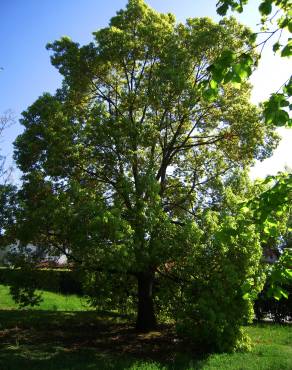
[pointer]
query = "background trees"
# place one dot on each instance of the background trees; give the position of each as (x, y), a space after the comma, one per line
(6, 119)
(7, 191)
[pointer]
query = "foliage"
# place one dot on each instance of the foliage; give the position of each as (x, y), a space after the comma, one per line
(280, 275)
(271, 210)
(277, 108)
(212, 320)
(271, 204)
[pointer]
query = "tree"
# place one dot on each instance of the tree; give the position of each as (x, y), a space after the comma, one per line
(120, 161)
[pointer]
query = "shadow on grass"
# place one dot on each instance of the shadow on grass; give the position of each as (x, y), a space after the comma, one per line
(46, 340)
(86, 359)
(38, 316)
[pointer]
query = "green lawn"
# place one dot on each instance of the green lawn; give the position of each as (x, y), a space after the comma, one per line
(88, 340)
(51, 302)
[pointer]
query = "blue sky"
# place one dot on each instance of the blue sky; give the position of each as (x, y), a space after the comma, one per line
(28, 25)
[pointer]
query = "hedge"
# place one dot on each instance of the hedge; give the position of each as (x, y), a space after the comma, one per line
(54, 280)
(68, 282)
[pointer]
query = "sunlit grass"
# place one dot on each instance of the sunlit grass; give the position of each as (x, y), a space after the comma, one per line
(51, 301)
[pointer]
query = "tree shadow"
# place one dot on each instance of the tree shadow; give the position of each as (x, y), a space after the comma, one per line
(87, 340)
(85, 360)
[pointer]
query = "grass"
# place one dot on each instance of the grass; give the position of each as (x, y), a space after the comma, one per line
(88, 340)
(272, 350)
(51, 302)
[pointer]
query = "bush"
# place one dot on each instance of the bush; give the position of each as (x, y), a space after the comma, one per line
(221, 279)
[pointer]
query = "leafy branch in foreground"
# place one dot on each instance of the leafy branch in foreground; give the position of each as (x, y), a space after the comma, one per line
(277, 108)
(280, 275)
(272, 216)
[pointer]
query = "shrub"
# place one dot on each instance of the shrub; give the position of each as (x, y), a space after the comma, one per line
(221, 279)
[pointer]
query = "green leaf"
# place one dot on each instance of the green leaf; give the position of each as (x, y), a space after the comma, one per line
(284, 293)
(210, 94)
(277, 295)
(265, 7)
(288, 88)
(287, 50)
(236, 84)
(276, 47)
(244, 71)
(239, 8)
(288, 273)
(213, 84)
(245, 209)
(236, 79)
(281, 118)
(283, 22)
(277, 292)
(253, 37)
(246, 296)
(217, 75)
(226, 58)
(222, 10)
(273, 112)
(247, 59)
(228, 77)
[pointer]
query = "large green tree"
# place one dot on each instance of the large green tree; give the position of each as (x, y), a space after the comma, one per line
(118, 163)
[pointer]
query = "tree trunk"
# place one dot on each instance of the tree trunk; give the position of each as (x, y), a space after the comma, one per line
(146, 320)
